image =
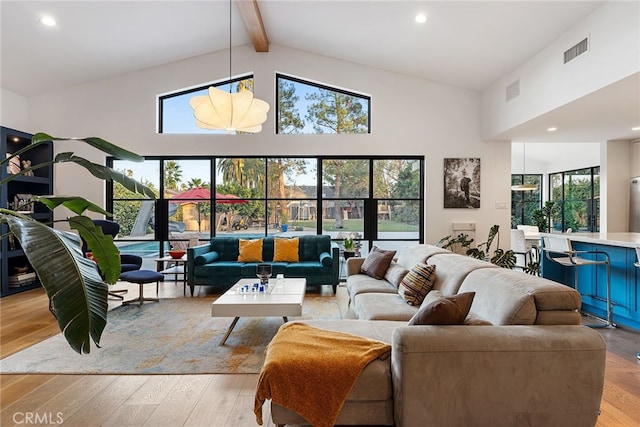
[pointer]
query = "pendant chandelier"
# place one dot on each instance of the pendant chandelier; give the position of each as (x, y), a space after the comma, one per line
(523, 186)
(220, 110)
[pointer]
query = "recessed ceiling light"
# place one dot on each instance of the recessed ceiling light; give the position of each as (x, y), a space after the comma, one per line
(552, 129)
(421, 18)
(636, 128)
(48, 21)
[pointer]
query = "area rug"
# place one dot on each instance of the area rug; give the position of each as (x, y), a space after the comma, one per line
(174, 336)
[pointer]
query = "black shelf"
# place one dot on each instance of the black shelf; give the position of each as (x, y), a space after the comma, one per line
(18, 190)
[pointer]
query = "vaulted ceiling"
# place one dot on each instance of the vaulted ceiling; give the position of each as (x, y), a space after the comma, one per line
(468, 44)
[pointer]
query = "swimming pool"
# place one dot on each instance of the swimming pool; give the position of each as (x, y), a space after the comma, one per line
(143, 249)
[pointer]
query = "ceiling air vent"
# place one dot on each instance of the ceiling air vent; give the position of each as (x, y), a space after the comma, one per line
(513, 90)
(577, 50)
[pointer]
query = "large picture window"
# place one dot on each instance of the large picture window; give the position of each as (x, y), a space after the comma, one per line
(376, 200)
(523, 203)
(305, 107)
(175, 115)
(577, 195)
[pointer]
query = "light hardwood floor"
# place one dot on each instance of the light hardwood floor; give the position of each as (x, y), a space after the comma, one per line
(202, 400)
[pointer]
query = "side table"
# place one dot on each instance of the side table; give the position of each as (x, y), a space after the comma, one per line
(175, 266)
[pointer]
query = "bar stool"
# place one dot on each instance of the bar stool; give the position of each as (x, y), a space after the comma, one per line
(142, 277)
(559, 249)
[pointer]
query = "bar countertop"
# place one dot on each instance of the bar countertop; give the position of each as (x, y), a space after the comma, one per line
(629, 240)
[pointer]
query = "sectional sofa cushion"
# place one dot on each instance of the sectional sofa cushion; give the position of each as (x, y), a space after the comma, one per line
(377, 262)
(417, 283)
(395, 273)
(444, 310)
(413, 254)
(453, 270)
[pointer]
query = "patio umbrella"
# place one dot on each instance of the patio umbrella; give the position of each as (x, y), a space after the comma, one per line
(193, 195)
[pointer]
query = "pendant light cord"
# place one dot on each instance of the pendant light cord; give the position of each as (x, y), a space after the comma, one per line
(230, 6)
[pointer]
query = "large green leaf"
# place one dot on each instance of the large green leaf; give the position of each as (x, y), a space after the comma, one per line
(75, 204)
(106, 174)
(104, 251)
(72, 282)
(95, 142)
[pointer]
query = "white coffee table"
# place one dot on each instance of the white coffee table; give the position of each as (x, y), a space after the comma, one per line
(284, 299)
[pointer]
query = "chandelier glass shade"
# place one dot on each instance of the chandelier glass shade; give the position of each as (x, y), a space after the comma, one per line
(232, 112)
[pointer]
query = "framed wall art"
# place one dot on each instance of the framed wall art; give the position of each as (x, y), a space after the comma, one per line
(462, 183)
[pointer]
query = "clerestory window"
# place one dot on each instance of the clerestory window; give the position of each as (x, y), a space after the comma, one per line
(306, 107)
(175, 115)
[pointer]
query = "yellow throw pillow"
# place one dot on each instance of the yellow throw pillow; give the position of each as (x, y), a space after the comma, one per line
(250, 250)
(286, 250)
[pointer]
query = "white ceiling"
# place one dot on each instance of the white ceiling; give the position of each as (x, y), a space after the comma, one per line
(468, 44)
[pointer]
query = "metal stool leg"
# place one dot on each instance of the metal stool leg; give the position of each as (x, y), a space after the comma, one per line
(608, 322)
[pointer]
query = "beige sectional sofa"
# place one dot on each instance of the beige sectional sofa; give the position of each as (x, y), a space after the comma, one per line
(534, 366)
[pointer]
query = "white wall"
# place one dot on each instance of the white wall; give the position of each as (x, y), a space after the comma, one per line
(14, 111)
(635, 158)
(546, 83)
(615, 172)
(430, 119)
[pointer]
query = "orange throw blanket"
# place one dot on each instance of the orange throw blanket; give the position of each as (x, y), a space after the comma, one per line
(311, 371)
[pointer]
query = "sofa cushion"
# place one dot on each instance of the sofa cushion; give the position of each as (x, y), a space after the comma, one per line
(361, 283)
(250, 250)
(444, 311)
(311, 246)
(206, 258)
(501, 298)
(286, 250)
(382, 306)
(417, 283)
(218, 268)
(377, 262)
(453, 269)
(303, 269)
(395, 273)
(374, 383)
(411, 255)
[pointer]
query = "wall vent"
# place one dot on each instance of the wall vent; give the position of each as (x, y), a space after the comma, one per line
(576, 50)
(513, 90)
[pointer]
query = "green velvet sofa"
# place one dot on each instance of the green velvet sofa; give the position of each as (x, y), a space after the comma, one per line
(216, 263)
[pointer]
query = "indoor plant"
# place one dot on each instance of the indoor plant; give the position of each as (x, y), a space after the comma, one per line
(77, 291)
(349, 247)
(499, 257)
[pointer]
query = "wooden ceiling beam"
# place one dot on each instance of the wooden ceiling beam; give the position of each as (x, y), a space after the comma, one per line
(253, 21)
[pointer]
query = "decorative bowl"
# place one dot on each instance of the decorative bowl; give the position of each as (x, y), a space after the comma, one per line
(177, 253)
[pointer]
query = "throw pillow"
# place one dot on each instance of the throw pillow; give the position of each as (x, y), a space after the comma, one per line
(377, 262)
(446, 311)
(250, 250)
(286, 250)
(417, 283)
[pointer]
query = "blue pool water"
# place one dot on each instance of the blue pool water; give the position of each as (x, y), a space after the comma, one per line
(143, 249)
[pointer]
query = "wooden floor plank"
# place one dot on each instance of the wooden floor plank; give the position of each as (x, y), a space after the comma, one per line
(216, 402)
(109, 400)
(177, 406)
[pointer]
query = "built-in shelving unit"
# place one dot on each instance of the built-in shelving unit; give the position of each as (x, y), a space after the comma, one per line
(16, 273)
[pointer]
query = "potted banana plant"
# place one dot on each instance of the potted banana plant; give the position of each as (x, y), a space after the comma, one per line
(77, 291)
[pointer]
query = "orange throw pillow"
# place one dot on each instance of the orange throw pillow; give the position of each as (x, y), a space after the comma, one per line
(250, 250)
(286, 250)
